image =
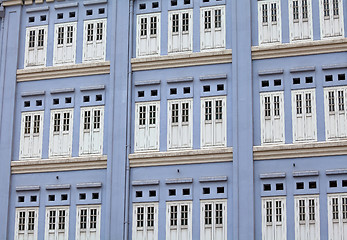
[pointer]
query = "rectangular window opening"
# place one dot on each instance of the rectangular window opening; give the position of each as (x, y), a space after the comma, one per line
(277, 82)
(89, 12)
(33, 198)
(333, 184)
(142, 6)
(299, 185)
(82, 196)
(101, 10)
(26, 103)
(51, 198)
(138, 194)
(206, 190)
(296, 80)
(173, 2)
(86, 98)
(341, 77)
(279, 186)
(31, 19)
(72, 14)
(328, 78)
(206, 88)
(38, 103)
(60, 15)
(186, 90)
(186, 2)
(265, 83)
(186, 191)
(312, 185)
(43, 18)
(220, 189)
(95, 196)
(55, 101)
(344, 183)
(154, 93)
(173, 91)
(152, 193)
(172, 192)
(21, 198)
(309, 79)
(63, 197)
(267, 187)
(68, 100)
(140, 94)
(155, 4)
(220, 87)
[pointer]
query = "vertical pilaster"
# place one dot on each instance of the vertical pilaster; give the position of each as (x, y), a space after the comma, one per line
(243, 194)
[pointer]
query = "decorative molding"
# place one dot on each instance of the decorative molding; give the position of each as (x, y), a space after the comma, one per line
(334, 66)
(30, 94)
(66, 5)
(181, 60)
(12, 3)
(59, 165)
(92, 2)
(299, 49)
(302, 150)
(63, 90)
(178, 180)
(270, 72)
(147, 83)
(89, 185)
(214, 179)
(336, 171)
(58, 186)
(272, 175)
(37, 9)
(214, 77)
(28, 188)
(75, 70)
(144, 182)
(302, 69)
(181, 157)
(179, 80)
(308, 173)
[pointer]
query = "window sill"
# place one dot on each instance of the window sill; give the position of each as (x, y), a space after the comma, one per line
(63, 71)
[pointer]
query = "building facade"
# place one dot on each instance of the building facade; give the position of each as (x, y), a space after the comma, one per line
(177, 120)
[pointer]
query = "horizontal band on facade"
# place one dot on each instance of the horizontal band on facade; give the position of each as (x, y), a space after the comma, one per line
(181, 157)
(181, 60)
(89, 185)
(301, 150)
(299, 49)
(28, 188)
(178, 180)
(58, 187)
(308, 173)
(75, 70)
(59, 165)
(272, 175)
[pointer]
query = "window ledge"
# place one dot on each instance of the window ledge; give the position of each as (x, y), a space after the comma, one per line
(301, 150)
(74, 70)
(181, 60)
(57, 165)
(181, 157)
(299, 49)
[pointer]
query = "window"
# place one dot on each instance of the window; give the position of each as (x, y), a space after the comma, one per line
(180, 128)
(148, 34)
(26, 223)
(60, 142)
(337, 215)
(91, 130)
(272, 117)
(180, 37)
(307, 217)
(64, 43)
(335, 112)
(269, 21)
(35, 46)
(88, 222)
(274, 218)
(94, 43)
(145, 221)
(213, 220)
(213, 121)
(31, 135)
(304, 115)
(300, 19)
(331, 18)
(147, 126)
(179, 220)
(57, 223)
(212, 28)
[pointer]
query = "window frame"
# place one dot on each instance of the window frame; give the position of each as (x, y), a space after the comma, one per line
(57, 222)
(66, 46)
(145, 227)
(213, 217)
(26, 230)
(271, 223)
(36, 48)
(94, 42)
(179, 227)
(88, 228)
(269, 23)
(148, 34)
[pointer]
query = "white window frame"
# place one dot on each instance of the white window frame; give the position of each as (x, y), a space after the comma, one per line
(58, 224)
(31, 136)
(180, 124)
(150, 34)
(208, 220)
(91, 130)
(176, 224)
(65, 43)
(275, 35)
(212, 29)
(36, 46)
(307, 113)
(87, 230)
(91, 40)
(179, 32)
(337, 216)
(27, 232)
(307, 221)
(61, 131)
(210, 118)
(330, 17)
(145, 223)
(147, 131)
(300, 20)
(272, 113)
(335, 106)
(275, 221)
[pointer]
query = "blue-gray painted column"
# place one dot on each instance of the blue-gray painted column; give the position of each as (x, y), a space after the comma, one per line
(243, 198)
(8, 70)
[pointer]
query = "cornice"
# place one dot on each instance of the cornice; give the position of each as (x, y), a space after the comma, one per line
(12, 3)
(59, 165)
(181, 157)
(64, 71)
(181, 60)
(302, 150)
(299, 49)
